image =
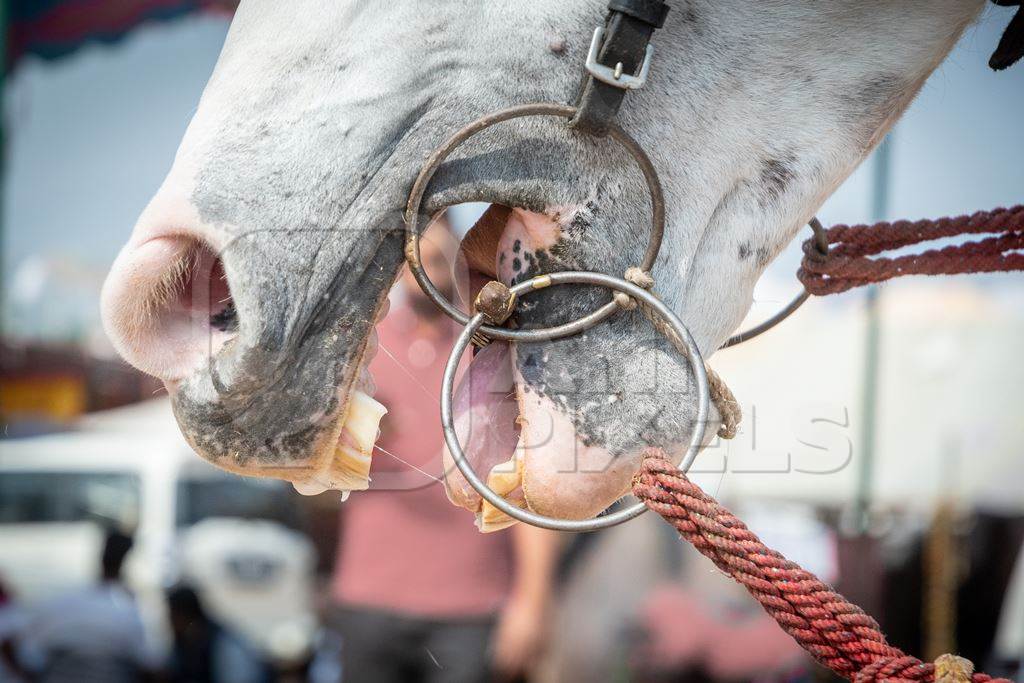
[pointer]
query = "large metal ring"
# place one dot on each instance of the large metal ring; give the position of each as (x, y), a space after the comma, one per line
(821, 242)
(412, 246)
(539, 282)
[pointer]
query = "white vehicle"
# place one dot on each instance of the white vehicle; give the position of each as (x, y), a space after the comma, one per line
(233, 539)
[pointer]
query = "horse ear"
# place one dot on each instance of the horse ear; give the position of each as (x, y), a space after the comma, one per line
(1011, 45)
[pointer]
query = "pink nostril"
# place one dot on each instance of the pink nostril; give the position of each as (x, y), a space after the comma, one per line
(167, 306)
(204, 295)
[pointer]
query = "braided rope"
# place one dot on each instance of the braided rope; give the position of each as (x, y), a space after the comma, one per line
(848, 263)
(837, 633)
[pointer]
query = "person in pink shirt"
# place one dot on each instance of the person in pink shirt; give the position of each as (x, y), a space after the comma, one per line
(420, 594)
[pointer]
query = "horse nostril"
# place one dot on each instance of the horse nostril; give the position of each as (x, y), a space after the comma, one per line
(167, 306)
(208, 292)
(225, 320)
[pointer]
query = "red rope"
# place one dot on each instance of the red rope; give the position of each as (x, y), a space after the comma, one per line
(837, 633)
(848, 263)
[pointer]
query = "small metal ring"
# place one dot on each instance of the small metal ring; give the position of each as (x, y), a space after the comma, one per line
(821, 242)
(574, 277)
(412, 247)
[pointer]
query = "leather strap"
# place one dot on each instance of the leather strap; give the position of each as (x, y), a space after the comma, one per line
(652, 12)
(628, 30)
(630, 24)
(1011, 45)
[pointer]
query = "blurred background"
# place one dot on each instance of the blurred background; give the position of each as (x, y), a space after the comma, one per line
(882, 445)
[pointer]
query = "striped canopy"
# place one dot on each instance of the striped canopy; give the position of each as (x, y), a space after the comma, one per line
(52, 29)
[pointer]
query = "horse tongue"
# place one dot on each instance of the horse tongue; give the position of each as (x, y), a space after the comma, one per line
(485, 415)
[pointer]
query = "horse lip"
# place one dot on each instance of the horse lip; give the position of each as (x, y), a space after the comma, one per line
(253, 435)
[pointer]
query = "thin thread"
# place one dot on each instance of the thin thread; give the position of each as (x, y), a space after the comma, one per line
(408, 372)
(406, 462)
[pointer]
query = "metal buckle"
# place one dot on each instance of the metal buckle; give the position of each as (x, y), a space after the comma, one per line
(615, 76)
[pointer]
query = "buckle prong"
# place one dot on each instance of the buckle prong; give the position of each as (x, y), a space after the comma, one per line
(616, 77)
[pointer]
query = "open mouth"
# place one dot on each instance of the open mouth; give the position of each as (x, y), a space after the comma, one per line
(347, 467)
(523, 434)
(518, 431)
(486, 405)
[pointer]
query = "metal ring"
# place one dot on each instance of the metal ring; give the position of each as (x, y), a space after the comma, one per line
(412, 247)
(539, 282)
(821, 242)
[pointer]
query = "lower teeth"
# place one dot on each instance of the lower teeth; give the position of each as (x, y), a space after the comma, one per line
(504, 478)
(349, 469)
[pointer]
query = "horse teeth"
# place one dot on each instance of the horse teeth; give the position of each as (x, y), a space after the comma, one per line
(349, 469)
(362, 421)
(309, 488)
(505, 479)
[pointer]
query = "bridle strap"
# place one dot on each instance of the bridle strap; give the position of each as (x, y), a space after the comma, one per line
(624, 50)
(1011, 45)
(652, 12)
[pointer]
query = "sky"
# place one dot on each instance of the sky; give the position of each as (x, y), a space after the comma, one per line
(91, 137)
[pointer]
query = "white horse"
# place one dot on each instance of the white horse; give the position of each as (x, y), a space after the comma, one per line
(284, 210)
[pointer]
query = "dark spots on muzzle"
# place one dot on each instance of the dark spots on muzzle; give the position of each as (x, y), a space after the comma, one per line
(619, 393)
(229, 439)
(529, 264)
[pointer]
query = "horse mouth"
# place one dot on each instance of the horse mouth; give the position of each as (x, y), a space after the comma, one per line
(488, 421)
(519, 433)
(246, 382)
(539, 445)
(487, 406)
(345, 465)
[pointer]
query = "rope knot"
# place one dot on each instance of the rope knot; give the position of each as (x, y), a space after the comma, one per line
(953, 669)
(639, 278)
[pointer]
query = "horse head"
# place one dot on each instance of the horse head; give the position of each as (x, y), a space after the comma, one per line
(284, 210)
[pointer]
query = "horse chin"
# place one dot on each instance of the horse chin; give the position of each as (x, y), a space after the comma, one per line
(527, 449)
